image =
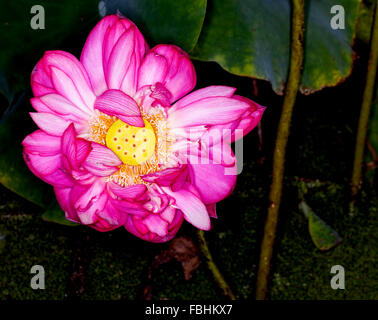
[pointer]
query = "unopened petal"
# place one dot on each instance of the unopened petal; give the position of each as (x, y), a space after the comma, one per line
(180, 77)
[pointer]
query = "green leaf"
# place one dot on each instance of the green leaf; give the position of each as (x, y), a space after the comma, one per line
(164, 21)
(252, 38)
(323, 236)
(14, 174)
(328, 53)
(54, 213)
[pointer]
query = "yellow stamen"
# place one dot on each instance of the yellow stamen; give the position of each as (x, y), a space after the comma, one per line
(100, 126)
(132, 145)
(150, 155)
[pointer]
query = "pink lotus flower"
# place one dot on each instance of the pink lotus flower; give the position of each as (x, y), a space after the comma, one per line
(120, 142)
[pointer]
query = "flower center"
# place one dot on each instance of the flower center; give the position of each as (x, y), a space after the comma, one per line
(132, 145)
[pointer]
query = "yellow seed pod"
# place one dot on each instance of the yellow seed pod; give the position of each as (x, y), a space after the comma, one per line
(132, 145)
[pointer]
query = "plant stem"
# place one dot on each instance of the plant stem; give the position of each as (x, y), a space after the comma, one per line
(292, 86)
(365, 111)
(213, 268)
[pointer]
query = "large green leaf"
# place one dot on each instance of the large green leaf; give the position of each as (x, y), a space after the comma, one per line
(252, 38)
(164, 21)
(14, 174)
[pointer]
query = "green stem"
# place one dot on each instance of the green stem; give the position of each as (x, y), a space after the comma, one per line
(292, 86)
(365, 111)
(213, 268)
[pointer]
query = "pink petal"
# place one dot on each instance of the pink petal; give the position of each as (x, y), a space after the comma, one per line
(180, 181)
(189, 133)
(50, 123)
(212, 91)
(59, 179)
(42, 144)
(136, 226)
(153, 96)
(119, 60)
(49, 169)
(211, 182)
(81, 175)
(101, 161)
(61, 105)
(176, 223)
(192, 207)
(157, 225)
(88, 200)
(121, 69)
(39, 106)
(165, 177)
(221, 133)
(92, 54)
(211, 209)
(66, 87)
(250, 119)
(203, 152)
(130, 81)
(168, 214)
(181, 76)
(63, 196)
(156, 200)
(103, 226)
(70, 67)
(95, 210)
(217, 154)
(116, 103)
(79, 119)
(110, 39)
(111, 215)
(130, 192)
(130, 207)
(74, 150)
(44, 165)
(152, 70)
(208, 111)
(41, 80)
(39, 89)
